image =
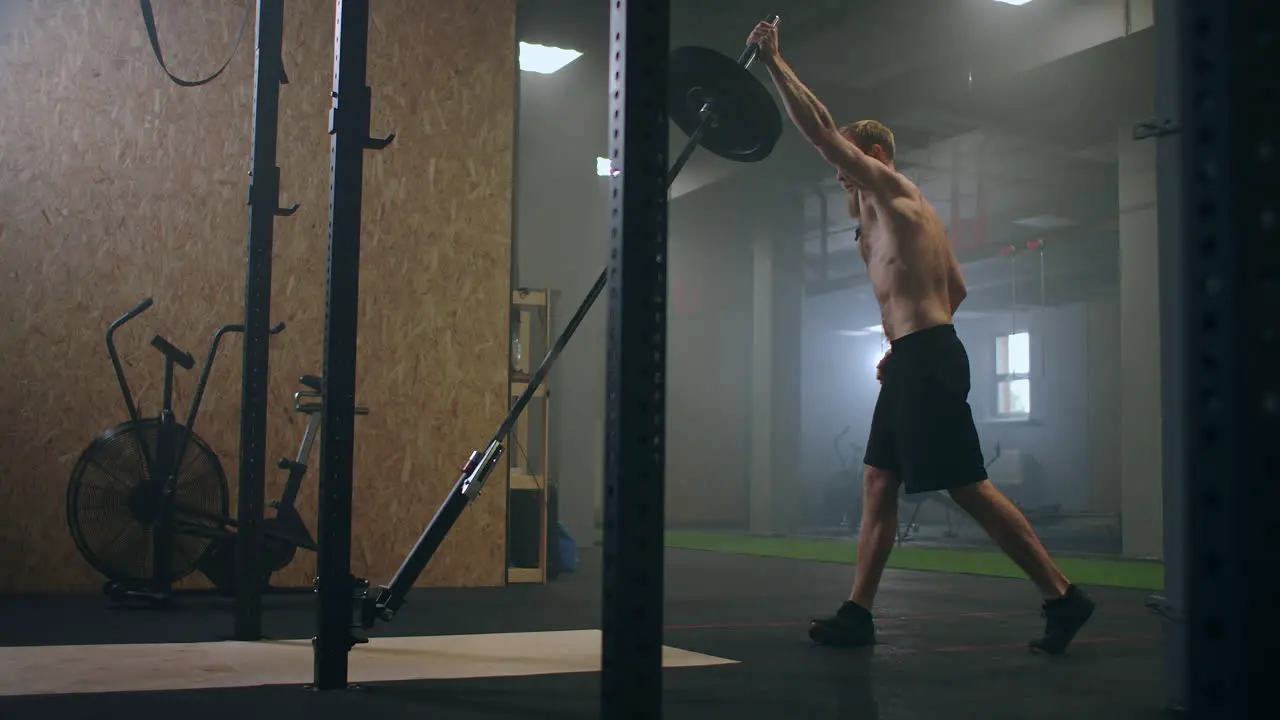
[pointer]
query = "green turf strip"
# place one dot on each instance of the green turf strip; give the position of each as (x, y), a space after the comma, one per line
(1137, 574)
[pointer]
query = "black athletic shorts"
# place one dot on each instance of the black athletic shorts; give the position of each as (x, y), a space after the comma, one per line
(922, 429)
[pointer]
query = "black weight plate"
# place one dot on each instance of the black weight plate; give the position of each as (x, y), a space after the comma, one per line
(747, 122)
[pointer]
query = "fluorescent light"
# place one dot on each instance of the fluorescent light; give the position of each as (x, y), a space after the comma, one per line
(876, 329)
(544, 58)
(604, 168)
(1014, 2)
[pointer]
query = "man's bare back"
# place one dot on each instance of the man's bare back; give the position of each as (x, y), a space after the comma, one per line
(908, 256)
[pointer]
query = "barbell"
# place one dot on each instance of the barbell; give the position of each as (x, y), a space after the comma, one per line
(720, 105)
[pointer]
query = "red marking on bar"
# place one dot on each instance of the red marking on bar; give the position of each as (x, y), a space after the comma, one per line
(1035, 245)
(1008, 250)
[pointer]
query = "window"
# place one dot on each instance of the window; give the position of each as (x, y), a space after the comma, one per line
(1013, 375)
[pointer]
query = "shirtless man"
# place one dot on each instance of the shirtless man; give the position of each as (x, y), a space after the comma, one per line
(922, 431)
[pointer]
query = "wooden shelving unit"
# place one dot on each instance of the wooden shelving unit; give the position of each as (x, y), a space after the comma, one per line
(528, 460)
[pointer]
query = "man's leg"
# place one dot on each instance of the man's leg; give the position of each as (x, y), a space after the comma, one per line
(946, 454)
(1066, 607)
(1009, 528)
(852, 625)
(875, 538)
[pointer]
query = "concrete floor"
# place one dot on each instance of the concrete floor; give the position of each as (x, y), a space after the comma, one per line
(951, 647)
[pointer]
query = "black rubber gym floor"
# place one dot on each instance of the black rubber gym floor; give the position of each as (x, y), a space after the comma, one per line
(952, 646)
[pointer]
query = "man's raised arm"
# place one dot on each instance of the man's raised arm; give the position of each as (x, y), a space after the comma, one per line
(811, 117)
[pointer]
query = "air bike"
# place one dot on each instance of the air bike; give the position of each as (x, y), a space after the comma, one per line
(721, 106)
(148, 501)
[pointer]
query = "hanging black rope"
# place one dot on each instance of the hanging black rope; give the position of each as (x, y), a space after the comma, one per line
(149, 19)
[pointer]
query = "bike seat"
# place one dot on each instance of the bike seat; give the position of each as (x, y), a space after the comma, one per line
(312, 382)
(178, 357)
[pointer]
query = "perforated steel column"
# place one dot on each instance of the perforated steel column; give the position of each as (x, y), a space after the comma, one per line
(636, 403)
(1231, 204)
(1175, 440)
(264, 202)
(349, 128)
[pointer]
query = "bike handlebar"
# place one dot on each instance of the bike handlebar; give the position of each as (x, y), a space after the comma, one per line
(213, 351)
(144, 305)
(204, 375)
(137, 310)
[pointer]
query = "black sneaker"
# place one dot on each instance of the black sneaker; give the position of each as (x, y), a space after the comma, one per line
(851, 626)
(1063, 619)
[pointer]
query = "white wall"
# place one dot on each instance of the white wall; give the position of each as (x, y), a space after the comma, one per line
(1103, 340)
(1141, 455)
(561, 245)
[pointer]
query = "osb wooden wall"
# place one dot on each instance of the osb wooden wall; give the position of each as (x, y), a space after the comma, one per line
(116, 184)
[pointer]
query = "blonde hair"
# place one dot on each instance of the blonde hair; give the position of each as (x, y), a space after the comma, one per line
(868, 133)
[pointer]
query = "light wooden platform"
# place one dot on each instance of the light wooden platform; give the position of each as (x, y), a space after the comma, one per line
(63, 669)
